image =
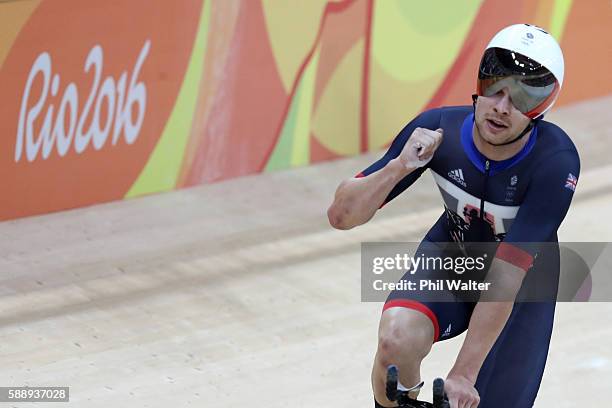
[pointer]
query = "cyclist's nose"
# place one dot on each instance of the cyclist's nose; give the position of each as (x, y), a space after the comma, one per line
(503, 104)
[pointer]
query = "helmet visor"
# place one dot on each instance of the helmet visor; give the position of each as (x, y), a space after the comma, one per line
(531, 86)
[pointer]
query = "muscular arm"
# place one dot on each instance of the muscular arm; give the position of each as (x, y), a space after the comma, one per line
(358, 198)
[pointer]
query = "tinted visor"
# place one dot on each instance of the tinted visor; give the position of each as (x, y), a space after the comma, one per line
(532, 87)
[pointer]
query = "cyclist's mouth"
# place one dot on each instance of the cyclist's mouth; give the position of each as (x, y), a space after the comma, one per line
(496, 126)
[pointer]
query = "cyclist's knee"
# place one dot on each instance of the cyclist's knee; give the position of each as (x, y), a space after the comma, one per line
(404, 333)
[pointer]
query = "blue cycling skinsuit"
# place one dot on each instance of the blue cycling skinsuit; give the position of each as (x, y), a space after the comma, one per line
(514, 201)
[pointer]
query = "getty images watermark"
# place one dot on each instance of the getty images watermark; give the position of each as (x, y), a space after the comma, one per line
(451, 272)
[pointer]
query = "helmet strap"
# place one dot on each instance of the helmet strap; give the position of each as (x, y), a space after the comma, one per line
(530, 126)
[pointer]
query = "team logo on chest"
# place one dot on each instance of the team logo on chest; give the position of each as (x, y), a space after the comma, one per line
(457, 175)
(511, 189)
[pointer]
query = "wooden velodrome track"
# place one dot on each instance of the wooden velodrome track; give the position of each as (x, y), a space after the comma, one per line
(239, 294)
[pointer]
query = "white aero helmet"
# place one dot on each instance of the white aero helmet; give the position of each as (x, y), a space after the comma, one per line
(529, 62)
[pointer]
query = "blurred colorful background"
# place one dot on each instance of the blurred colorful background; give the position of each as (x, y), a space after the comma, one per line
(108, 100)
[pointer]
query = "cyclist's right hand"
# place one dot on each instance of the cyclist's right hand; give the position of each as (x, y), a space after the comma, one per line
(420, 147)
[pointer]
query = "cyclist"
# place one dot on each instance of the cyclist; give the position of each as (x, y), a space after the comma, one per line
(506, 176)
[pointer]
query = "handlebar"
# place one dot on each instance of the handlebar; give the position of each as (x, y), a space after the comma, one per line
(402, 397)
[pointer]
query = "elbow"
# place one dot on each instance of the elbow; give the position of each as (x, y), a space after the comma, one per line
(337, 219)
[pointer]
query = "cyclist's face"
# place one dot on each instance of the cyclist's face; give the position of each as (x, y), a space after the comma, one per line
(497, 119)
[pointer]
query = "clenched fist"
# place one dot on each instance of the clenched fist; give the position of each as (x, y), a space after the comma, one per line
(420, 147)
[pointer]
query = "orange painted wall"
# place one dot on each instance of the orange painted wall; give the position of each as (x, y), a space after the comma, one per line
(108, 100)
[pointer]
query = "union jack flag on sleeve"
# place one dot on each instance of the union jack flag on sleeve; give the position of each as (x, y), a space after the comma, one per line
(571, 182)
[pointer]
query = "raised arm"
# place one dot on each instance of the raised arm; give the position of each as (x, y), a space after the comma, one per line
(358, 198)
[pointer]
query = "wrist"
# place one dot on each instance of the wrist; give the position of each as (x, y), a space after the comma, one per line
(399, 169)
(463, 373)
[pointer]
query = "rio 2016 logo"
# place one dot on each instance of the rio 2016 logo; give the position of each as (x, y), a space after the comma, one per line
(84, 106)
(66, 125)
